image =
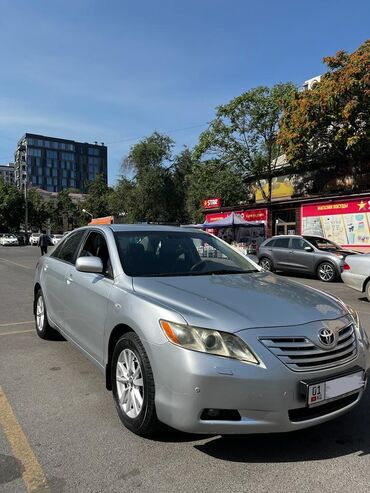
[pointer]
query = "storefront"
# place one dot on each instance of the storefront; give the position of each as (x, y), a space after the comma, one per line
(345, 222)
(249, 237)
(344, 219)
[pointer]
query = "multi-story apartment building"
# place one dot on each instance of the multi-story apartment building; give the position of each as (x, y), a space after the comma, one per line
(54, 164)
(7, 172)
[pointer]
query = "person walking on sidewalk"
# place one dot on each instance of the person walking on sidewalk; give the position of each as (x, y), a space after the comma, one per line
(43, 242)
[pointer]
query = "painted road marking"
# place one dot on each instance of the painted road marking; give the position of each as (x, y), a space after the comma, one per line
(17, 323)
(15, 263)
(16, 332)
(33, 475)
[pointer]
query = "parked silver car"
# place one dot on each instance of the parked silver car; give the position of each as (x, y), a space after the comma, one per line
(356, 273)
(303, 254)
(205, 344)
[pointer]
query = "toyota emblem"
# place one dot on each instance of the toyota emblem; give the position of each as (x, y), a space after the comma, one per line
(327, 337)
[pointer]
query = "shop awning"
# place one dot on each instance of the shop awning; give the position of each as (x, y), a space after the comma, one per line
(229, 221)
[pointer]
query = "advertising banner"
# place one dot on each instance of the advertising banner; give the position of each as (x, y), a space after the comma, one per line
(255, 215)
(344, 222)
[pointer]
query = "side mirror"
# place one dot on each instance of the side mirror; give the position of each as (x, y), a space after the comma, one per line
(308, 248)
(89, 264)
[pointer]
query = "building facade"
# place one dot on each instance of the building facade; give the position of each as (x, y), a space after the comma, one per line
(54, 164)
(7, 172)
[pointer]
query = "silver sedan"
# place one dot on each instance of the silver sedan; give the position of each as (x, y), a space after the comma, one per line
(356, 273)
(203, 342)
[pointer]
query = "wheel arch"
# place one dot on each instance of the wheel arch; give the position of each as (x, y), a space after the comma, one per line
(364, 283)
(118, 331)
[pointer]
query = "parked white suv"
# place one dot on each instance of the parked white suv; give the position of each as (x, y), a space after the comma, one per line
(55, 239)
(34, 239)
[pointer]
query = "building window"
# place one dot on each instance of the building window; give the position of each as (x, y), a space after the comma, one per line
(64, 182)
(52, 154)
(34, 152)
(54, 172)
(49, 163)
(93, 151)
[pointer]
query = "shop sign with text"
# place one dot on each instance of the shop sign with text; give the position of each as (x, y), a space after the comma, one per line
(345, 222)
(211, 203)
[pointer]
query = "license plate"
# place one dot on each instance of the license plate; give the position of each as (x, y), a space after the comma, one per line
(325, 391)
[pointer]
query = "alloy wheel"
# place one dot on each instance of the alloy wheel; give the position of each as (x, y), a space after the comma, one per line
(40, 313)
(265, 264)
(326, 272)
(130, 386)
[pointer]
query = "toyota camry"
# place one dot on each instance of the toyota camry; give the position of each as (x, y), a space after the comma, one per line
(192, 334)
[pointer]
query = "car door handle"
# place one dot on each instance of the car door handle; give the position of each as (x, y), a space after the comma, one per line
(69, 279)
(291, 251)
(46, 266)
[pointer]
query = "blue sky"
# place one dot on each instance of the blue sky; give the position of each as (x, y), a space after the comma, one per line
(114, 71)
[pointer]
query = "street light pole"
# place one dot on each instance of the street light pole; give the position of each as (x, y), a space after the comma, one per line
(87, 212)
(26, 210)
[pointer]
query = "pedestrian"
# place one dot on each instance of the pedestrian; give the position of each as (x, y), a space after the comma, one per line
(43, 242)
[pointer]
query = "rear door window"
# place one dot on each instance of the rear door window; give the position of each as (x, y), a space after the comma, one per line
(282, 243)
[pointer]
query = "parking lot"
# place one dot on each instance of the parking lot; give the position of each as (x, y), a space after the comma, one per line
(59, 431)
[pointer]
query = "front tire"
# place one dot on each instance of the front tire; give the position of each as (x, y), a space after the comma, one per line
(326, 272)
(133, 386)
(43, 328)
(266, 264)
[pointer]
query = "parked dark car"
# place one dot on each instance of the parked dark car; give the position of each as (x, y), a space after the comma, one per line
(303, 254)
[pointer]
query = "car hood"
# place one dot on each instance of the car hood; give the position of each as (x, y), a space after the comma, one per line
(235, 302)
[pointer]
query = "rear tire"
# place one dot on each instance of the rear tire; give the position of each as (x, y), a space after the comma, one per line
(266, 264)
(43, 328)
(133, 386)
(326, 272)
(367, 290)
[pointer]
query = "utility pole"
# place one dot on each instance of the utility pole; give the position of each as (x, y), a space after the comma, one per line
(26, 209)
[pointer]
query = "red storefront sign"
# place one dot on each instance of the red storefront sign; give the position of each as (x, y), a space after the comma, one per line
(346, 222)
(211, 203)
(255, 215)
(331, 208)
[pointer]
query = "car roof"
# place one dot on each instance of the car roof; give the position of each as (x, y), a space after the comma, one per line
(138, 227)
(286, 236)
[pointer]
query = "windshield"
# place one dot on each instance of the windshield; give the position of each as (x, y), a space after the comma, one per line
(322, 243)
(185, 253)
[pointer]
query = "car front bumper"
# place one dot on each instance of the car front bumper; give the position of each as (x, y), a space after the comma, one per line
(268, 397)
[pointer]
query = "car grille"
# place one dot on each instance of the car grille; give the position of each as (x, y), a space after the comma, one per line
(301, 354)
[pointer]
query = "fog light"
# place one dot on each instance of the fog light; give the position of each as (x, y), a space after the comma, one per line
(220, 415)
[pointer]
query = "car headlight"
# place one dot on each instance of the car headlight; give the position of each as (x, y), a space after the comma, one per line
(208, 341)
(354, 315)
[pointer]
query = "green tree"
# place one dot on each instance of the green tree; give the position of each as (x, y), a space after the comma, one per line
(97, 200)
(120, 200)
(329, 125)
(213, 179)
(12, 206)
(244, 133)
(149, 164)
(64, 214)
(38, 210)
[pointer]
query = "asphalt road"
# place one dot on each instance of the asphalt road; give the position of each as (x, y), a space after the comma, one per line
(59, 428)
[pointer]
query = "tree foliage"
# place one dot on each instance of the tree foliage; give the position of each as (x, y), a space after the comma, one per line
(244, 133)
(330, 124)
(213, 179)
(97, 200)
(11, 206)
